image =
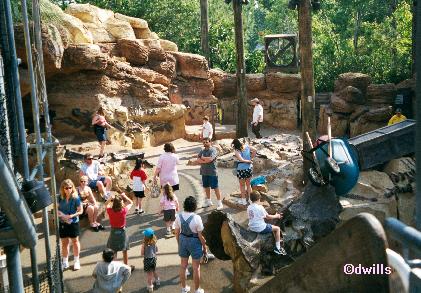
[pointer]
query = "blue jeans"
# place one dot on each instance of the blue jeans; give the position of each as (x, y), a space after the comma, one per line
(190, 246)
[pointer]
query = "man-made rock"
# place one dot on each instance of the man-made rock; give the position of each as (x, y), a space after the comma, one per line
(77, 32)
(119, 29)
(255, 82)
(84, 57)
(351, 95)
(89, 13)
(167, 67)
(283, 83)
(168, 45)
(134, 22)
(225, 83)
(379, 115)
(191, 65)
(373, 185)
(358, 80)
(151, 76)
(362, 125)
(197, 107)
(381, 94)
(339, 105)
(406, 207)
(339, 122)
(133, 51)
(381, 209)
(142, 33)
(194, 87)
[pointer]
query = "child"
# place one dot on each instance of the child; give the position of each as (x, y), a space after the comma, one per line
(169, 205)
(149, 250)
(139, 177)
(257, 215)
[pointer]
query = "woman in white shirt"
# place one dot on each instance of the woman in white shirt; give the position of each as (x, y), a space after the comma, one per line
(166, 168)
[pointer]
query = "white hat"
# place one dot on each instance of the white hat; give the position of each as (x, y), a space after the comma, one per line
(255, 100)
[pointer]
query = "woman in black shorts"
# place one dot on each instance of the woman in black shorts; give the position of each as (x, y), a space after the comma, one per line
(244, 155)
(69, 209)
(100, 126)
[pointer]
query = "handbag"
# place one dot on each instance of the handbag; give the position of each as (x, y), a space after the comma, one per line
(155, 190)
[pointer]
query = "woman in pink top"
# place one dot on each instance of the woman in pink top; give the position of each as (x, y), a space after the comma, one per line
(167, 167)
(169, 205)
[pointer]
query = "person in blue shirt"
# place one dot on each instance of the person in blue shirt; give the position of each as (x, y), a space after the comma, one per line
(69, 209)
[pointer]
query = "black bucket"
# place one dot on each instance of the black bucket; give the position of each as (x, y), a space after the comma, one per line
(36, 195)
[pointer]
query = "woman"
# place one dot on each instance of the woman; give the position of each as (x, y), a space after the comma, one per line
(167, 168)
(69, 210)
(117, 209)
(90, 207)
(244, 155)
(188, 232)
(100, 125)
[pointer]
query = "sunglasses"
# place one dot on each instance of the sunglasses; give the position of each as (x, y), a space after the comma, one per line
(67, 188)
(82, 181)
(89, 159)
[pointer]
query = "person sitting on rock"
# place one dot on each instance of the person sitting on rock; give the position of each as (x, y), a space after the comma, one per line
(90, 207)
(257, 215)
(398, 117)
(207, 129)
(96, 181)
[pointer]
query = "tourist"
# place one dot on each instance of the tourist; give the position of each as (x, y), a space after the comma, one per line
(206, 158)
(398, 117)
(188, 232)
(138, 175)
(167, 167)
(244, 155)
(100, 125)
(149, 250)
(110, 275)
(257, 215)
(69, 210)
(169, 205)
(207, 129)
(257, 117)
(96, 181)
(117, 208)
(90, 207)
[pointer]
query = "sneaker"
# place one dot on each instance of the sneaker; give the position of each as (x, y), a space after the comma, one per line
(280, 251)
(95, 228)
(76, 265)
(200, 290)
(65, 265)
(157, 282)
(132, 267)
(141, 211)
(219, 206)
(207, 203)
(185, 289)
(150, 289)
(242, 201)
(136, 211)
(169, 233)
(100, 227)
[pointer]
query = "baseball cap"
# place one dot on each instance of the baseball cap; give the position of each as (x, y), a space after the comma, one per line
(255, 100)
(148, 232)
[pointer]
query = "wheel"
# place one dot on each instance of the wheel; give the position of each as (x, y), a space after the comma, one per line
(315, 177)
(333, 165)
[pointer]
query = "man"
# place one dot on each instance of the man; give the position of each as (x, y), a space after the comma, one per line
(110, 275)
(206, 158)
(398, 117)
(257, 117)
(96, 181)
(207, 129)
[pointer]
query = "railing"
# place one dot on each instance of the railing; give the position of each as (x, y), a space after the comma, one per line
(409, 270)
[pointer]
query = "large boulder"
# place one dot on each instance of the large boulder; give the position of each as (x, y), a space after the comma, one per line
(197, 107)
(283, 82)
(134, 22)
(84, 57)
(194, 87)
(362, 125)
(191, 65)
(119, 29)
(142, 33)
(339, 105)
(151, 76)
(133, 51)
(351, 95)
(383, 94)
(373, 185)
(225, 84)
(166, 68)
(78, 33)
(382, 115)
(255, 82)
(168, 45)
(89, 13)
(358, 80)
(339, 122)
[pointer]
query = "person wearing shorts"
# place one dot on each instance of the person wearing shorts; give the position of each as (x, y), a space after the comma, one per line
(138, 175)
(96, 181)
(188, 232)
(169, 205)
(69, 210)
(206, 158)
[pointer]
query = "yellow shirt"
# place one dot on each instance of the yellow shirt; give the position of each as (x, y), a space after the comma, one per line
(396, 119)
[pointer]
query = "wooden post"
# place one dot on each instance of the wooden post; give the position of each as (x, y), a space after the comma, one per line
(204, 30)
(242, 123)
(307, 77)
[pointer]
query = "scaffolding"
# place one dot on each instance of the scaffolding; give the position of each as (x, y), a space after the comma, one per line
(14, 156)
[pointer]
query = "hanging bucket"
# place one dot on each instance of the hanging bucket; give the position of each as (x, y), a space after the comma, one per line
(36, 195)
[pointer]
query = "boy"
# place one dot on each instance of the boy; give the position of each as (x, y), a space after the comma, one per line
(257, 215)
(207, 129)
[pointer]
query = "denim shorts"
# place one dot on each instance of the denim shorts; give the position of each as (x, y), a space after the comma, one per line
(267, 230)
(92, 183)
(210, 181)
(190, 246)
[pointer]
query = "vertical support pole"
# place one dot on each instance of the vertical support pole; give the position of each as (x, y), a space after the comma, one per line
(307, 77)
(242, 123)
(14, 269)
(418, 118)
(36, 116)
(204, 30)
(5, 142)
(414, 34)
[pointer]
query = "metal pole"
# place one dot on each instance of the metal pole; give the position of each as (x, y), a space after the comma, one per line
(35, 116)
(50, 150)
(14, 269)
(204, 30)
(418, 118)
(4, 121)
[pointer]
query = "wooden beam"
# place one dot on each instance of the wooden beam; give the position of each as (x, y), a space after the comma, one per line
(204, 30)
(307, 76)
(242, 123)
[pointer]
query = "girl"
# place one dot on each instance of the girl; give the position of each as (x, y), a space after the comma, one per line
(117, 208)
(244, 154)
(169, 205)
(69, 210)
(90, 207)
(100, 125)
(139, 177)
(149, 250)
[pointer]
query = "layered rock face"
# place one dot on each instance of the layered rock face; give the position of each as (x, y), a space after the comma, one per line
(357, 106)
(98, 58)
(278, 92)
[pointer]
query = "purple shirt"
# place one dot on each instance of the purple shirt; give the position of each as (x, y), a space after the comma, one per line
(167, 164)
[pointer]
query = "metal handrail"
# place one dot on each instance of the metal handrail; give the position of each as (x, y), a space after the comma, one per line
(408, 236)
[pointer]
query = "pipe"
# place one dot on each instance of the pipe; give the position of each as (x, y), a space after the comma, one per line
(418, 116)
(14, 269)
(408, 236)
(35, 116)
